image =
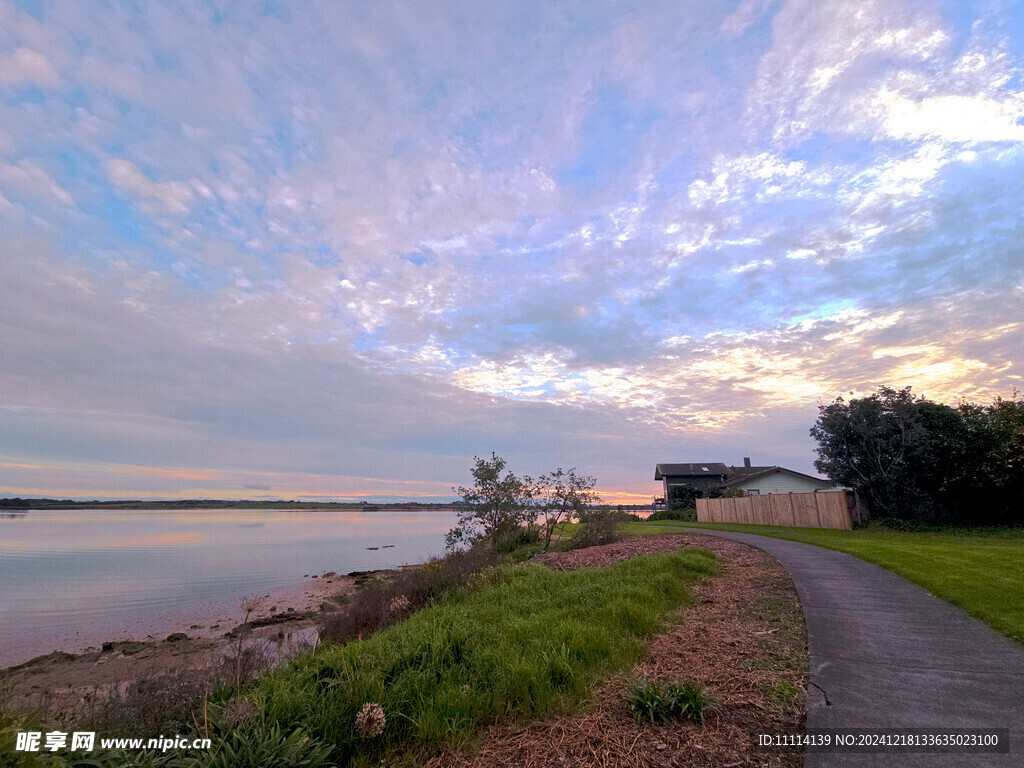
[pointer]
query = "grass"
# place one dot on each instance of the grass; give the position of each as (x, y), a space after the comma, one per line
(785, 694)
(661, 701)
(525, 642)
(980, 570)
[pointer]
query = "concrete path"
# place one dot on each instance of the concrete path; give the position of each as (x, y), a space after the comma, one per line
(886, 653)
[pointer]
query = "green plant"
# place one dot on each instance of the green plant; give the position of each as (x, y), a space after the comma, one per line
(597, 526)
(915, 461)
(688, 513)
(785, 694)
(564, 496)
(495, 508)
(662, 701)
(528, 642)
(266, 746)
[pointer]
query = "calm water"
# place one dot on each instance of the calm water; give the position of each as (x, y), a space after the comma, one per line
(71, 578)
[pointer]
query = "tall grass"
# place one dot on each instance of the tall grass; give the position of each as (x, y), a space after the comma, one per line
(525, 643)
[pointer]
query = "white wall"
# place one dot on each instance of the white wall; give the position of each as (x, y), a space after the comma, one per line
(782, 482)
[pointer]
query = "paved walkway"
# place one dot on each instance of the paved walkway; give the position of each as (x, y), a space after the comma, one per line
(886, 653)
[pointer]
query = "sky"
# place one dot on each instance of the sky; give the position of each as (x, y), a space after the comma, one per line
(334, 250)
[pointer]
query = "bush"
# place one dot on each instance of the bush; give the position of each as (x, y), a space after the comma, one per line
(150, 706)
(662, 701)
(495, 508)
(503, 509)
(389, 599)
(509, 540)
(690, 515)
(682, 498)
(597, 526)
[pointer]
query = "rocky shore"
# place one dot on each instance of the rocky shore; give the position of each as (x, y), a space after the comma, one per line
(279, 624)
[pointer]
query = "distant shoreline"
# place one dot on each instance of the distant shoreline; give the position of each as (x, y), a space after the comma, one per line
(22, 505)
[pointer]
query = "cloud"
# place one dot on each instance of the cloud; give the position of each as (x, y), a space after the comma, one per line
(366, 243)
(26, 67)
(746, 13)
(173, 196)
(33, 180)
(956, 118)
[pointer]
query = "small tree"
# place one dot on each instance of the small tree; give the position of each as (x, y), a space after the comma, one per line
(563, 497)
(495, 508)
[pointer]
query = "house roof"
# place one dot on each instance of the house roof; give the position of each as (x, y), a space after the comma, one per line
(729, 475)
(743, 474)
(699, 469)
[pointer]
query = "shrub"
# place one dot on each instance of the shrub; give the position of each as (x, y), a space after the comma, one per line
(563, 496)
(389, 599)
(510, 512)
(597, 526)
(662, 701)
(495, 508)
(150, 706)
(690, 515)
(683, 498)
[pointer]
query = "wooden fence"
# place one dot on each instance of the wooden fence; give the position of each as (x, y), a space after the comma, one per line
(822, 509)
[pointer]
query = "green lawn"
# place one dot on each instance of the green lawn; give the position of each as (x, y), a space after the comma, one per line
(982, 571)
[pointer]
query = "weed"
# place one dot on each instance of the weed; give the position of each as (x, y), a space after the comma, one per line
(267, 746)
(785, 694)
(662, 701)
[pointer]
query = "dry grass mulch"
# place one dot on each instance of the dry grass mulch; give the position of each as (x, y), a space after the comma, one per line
(743, 638)
(606, 554)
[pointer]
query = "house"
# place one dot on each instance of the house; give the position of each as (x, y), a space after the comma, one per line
(753, 480)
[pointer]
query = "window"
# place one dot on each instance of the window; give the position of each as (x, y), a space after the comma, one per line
(753, 492)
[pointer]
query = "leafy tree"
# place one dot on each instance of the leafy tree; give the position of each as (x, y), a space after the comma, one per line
(495, 508)
(563, 496)
(872, 445)
(913, 460)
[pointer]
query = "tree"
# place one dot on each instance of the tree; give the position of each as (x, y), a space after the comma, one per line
(495, 507)
(871, 444)
(563, 496)
(914, 460)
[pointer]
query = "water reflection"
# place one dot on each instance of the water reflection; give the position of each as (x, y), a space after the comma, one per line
(81, 576)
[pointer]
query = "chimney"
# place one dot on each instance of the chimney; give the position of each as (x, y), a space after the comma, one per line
(746, 462)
